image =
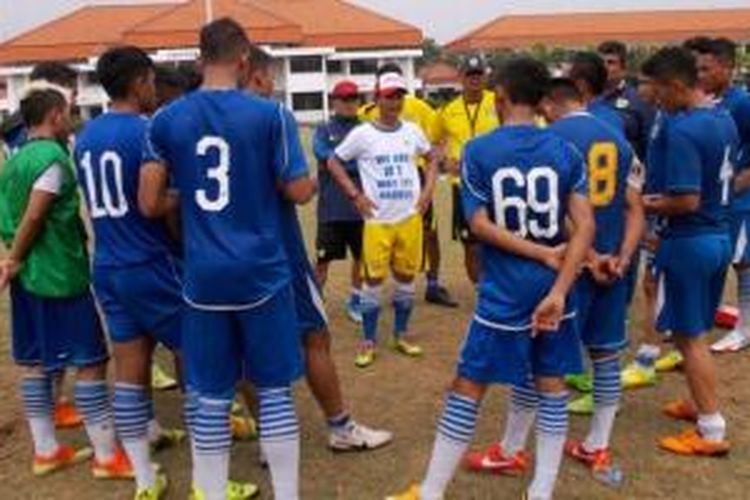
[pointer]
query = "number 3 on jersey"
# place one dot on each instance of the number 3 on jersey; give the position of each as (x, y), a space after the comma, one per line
(536, 214)
(602, 162)
(218, 173)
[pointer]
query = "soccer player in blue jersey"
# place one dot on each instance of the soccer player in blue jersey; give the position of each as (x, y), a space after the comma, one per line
(520, 184)
(136, 277)
(228, 154)
(615, 183)
(716, 70)
(701, 144)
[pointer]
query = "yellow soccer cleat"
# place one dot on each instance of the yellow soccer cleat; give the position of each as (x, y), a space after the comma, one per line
(365, 355)
(413, 493)
(243, 428)
(160, 381)
(669, 362)
(235, 491)
(168, 438)
(407, 348)
(635, 376)
(64, 456)
(156, 492)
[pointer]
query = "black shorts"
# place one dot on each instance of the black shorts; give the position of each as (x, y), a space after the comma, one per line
(461, 230)
(334, 238)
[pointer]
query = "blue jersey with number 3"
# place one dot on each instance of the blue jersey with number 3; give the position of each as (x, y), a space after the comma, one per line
(108, 156)
(523, 176)
(700, 153)
(611, 168)
(228, 153)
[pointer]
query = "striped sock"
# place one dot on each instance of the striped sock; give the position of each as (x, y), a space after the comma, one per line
(607, 392)
(39, 406)
(455, 430)
(370, 311)
(524, 400)
(743, 299)
(92, 399)
(279, 438)
(130, 407)
(551, 429)
(213, 439)
(403, 304)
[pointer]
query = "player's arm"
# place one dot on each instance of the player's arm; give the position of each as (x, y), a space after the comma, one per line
(351, 148)
(635, 219)
(682, 176)
(289, 161)
(155, 200)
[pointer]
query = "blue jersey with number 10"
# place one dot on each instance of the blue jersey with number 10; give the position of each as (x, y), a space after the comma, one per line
(228, 153)
(611, 169)
(523, 176)
(108, 156)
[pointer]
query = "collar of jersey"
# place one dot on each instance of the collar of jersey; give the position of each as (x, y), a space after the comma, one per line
(380, 128)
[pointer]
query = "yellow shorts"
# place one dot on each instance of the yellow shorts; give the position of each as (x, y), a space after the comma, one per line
(396, 246)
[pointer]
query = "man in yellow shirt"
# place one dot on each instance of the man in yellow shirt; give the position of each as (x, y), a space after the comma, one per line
(469, 115)
(421, 113)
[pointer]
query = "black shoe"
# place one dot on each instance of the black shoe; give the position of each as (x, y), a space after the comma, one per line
(440, 296)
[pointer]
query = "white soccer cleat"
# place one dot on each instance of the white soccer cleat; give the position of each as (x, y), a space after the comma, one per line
(357, 437)
(733, 341)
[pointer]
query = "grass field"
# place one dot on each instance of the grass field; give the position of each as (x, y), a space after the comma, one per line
(406, 396)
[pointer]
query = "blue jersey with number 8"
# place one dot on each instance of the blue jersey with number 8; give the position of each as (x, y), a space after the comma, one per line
(228, 153)
(523, 176)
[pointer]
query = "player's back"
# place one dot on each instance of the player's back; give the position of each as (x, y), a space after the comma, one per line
(705, 139)
(605, 112)
(108, 155)
(523, 175)
(226, 154)
(609, 158)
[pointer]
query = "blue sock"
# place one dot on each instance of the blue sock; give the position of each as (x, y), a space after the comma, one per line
(370, 312)
(355, 299)
(213, 439)
(92, 399)
(433, 282)
(339, 422)
(607, 393)
(403, 304)
(279, 437)
(39, 407)
(551, 430)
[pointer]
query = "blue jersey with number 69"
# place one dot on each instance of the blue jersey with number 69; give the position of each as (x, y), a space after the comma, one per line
(108, 156)
(699, 157)
(612, 167)
(523, 176)
(228, 153)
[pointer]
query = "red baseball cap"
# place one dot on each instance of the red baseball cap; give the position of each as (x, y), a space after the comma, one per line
(344, 89)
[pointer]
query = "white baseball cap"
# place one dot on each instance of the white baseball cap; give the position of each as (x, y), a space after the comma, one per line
(390, 84)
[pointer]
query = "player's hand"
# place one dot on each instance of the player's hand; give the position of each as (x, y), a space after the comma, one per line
(618, 266)
(9, 269)
(423, 204)
(555, 257)
(651, 242)
(365, 206)
(600, 266)
(548, 314)
(651, 200)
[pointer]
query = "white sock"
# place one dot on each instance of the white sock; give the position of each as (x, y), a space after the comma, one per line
(607, 392)
(712, 427)
(279, 438)
(213, 440)
(521, 415)
(213, 474)
(154, 430)
(552, 427)
(139, 454)
(601, 428)
(43, 434)
(38, 406)
(283, 461)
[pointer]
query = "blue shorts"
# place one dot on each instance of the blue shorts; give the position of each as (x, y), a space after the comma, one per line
(691, 275)
(602, 311)
(739, 232)
(494, 356)
(142, 300)
(55, 333)
(262, 344)
(311, 314)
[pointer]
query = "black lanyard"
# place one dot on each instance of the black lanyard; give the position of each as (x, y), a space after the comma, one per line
(473, 117)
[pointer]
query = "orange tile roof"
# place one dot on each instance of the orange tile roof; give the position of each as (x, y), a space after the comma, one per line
(88, 31)
(576, 29)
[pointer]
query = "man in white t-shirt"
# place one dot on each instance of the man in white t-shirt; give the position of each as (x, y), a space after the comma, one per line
(392, 204)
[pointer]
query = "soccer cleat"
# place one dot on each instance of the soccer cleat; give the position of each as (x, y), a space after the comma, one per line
(66, 415)
(692, 443)
(118, 467)
(235, 491)
(63, 457)
(365, 355)
(734, 341)
(582, 382)
(406, 348)
(495, 461)
(439, 296)
(681, 409)
(353, 311)
(597, 460)
(413, 493)
(160, 381)
(357, 437)
(669, 362)
(584, 405)
(635, 376)
(168, 438)
(156, 492)
(243, 428)
(727, 317)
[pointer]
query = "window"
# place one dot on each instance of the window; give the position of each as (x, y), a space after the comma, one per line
(364, 66)
(334, 67)
(307, 101)
(306, 64)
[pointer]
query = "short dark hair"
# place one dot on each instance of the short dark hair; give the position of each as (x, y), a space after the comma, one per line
(614, 48)
(258, 58)
(55, 72)
(38, 103)
(524, 79)
(119, 67)
(223, 40)
(723, 49)
(389, 67)
(672, 63)
(589, 67)
(563, 89)
(697, 44)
